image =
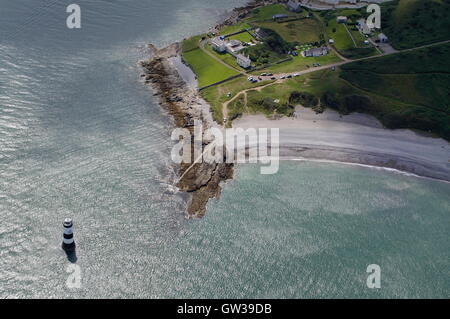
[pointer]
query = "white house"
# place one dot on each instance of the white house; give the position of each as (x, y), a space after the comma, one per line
(383, 38)
(315, 52)
(294, 6)
(219, 45)
(363, 27)
(243, 61)
(341, 19)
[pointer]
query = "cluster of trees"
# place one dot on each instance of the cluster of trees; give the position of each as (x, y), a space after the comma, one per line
(272, 49)
(269, 106)
(303, 98)
(347, 104)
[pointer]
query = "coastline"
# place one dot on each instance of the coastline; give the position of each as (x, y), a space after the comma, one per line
(356, 139)
(179, 96)
(352, 139)
(184, 104)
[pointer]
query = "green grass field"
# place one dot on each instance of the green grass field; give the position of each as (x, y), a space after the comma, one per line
(408, 90)
(412, 23)
(191, 43)
(337, 32)
(206, 68)
(217, 95)
(234, 28)
(225, 57)
(300, 63)
(421, 77)
(267, 12)
(243, 37)
(302, 31)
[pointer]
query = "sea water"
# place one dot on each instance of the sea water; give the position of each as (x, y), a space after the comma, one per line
(81, 136)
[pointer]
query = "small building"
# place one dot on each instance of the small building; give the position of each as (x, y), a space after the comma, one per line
(294, 6)
(363, 27)
(234, 43)
(234, 46)
(218, 45)
(279, 16)
(315, 52)
(341, 19)
(383, 38)
(243, 61)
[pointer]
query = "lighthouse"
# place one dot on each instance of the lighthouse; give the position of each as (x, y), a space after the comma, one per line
(68, 242)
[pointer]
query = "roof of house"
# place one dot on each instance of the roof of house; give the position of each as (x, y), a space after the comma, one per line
(217, 41)
(316, 50)
(363, 25)
(234, 43)
(243, 58)
(294, 4)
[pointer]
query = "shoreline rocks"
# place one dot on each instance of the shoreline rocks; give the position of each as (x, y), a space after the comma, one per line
(184, 104)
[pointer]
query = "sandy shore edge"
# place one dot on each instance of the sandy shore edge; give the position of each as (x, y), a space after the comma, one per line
(358, 139)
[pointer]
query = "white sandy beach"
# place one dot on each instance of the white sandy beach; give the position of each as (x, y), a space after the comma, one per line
(356, 138)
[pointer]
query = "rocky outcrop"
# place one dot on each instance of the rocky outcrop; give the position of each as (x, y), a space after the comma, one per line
(201, 180)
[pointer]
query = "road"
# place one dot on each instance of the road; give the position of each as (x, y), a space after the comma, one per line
(314, 69)
(283, 76)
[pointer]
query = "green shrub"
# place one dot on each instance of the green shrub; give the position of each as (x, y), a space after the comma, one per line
(304, 98)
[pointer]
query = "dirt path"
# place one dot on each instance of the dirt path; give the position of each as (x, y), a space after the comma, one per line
(328, 66)
(351, 35)
(258, 88)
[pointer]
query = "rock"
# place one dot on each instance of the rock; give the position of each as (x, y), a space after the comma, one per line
(201, 180)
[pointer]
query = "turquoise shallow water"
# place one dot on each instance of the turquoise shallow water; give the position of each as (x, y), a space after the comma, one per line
(81, 136)
(311, 231)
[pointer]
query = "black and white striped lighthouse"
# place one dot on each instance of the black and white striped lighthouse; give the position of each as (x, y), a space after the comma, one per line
(68, 241)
